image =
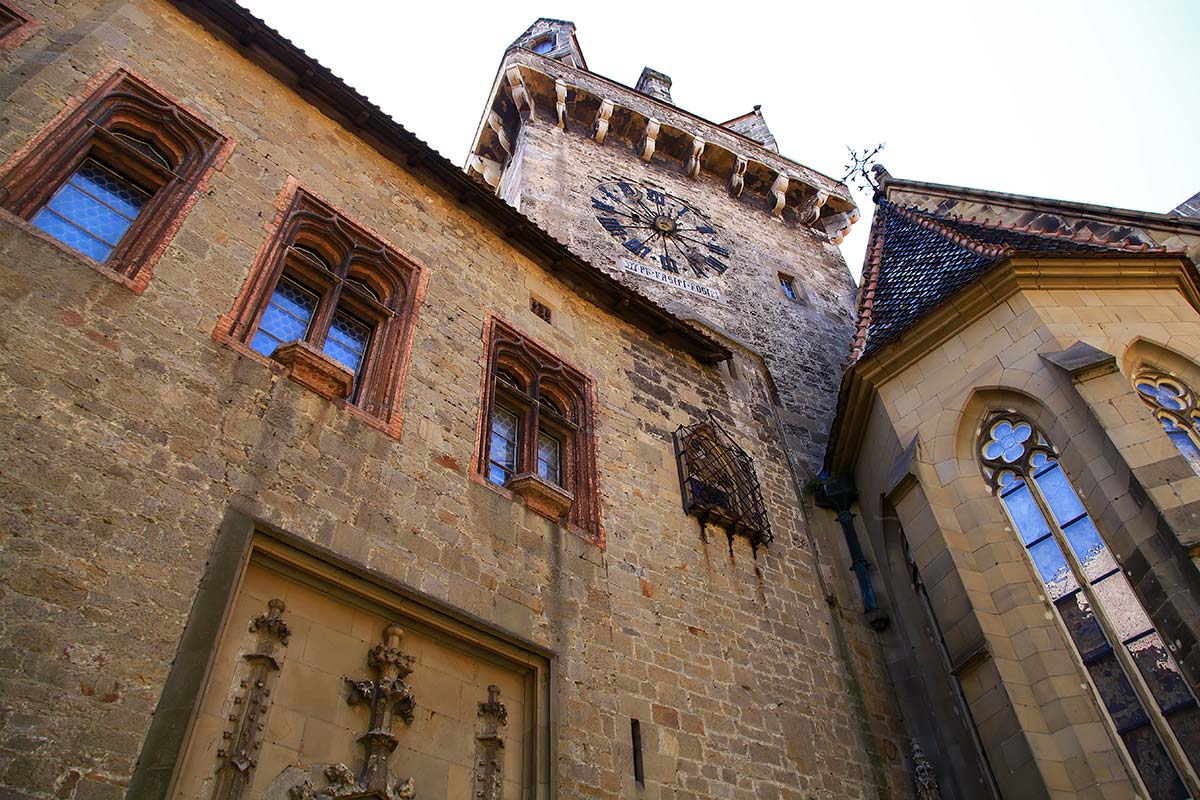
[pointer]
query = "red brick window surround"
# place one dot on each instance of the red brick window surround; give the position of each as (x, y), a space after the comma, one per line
(15, 26)
(114, 176)
(333, 304)
(536, 437)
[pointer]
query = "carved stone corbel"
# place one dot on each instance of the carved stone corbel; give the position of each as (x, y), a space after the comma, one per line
(693, 163)
(737, 178)
(652, 128)
(603, 115)
(560, 104)
(838, 225)
(489, 747)
(516, 87)
(497, 125)
(490, 170)
(239, 754)
(779, 193)
(810, 212)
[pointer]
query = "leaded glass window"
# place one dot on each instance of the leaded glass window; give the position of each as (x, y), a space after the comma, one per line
(1174, 405)
(549, 459)
(92, 210)
(502, 455)
(1138, 680)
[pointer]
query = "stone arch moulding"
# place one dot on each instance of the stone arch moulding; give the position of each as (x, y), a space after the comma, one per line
(1142, 352)
(975, 410)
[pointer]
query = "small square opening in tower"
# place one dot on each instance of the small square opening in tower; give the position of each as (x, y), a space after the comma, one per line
(541, 310)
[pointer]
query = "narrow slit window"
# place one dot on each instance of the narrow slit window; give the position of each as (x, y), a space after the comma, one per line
(788, 285)
(635, 733)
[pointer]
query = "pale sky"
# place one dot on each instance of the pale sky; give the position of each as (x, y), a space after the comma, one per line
(1095, 101)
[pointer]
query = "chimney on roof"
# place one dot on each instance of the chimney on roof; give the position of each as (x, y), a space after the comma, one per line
(655, 84)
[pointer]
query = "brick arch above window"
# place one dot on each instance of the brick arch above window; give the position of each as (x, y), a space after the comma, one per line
(114, 175)
(331, 302)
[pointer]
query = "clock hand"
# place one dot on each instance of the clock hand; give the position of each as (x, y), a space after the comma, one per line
(691, 260)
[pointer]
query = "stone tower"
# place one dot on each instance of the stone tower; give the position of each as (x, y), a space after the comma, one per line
(708, 219)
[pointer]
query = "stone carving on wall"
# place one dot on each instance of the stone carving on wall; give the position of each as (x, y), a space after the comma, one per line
(652, 128)
(693, 163)
(560, 104)
(387, 696)
(497, 125)
(603, 115)
(239, 754)
(779, 193)
(489, 747)
(737, 178)
(811, 210)
(516, 87)
(923, 775)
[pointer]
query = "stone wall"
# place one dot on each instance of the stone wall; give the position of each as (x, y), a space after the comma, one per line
(551, 177)
(129, 432)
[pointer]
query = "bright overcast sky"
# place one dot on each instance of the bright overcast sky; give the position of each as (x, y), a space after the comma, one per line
(1090, 100)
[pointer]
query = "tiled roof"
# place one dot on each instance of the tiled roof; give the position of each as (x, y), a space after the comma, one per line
(916, 260)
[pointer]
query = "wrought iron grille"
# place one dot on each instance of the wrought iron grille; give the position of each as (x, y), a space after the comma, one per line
(718, 481)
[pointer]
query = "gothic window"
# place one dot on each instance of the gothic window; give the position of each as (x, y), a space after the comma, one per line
(15, 26)
(1138, 680)
(333, 303)
(114, 178)
(538, 440)
(1174, 405)
(718, 481)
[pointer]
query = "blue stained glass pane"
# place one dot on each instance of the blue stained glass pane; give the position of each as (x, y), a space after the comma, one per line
(1052, 566)
(1081, 621)
(1160, 671)
(1026, 514)
(89, 214)
(1185, 445)
(109, 188)
(1116, 692)
(294, 300)
(497, 474)
(1059, 494)
(71, 235)
(548, 458)
(1153, 765)
(1186, 724)
(264, 343)
(1121, 606)
(347, 341)
(282, 325)
(1089, 548)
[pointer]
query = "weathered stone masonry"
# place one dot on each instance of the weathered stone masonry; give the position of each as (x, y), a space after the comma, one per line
(130, 433)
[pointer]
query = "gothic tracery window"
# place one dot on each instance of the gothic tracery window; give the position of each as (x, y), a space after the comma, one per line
(1174, 405)
(1143, 690)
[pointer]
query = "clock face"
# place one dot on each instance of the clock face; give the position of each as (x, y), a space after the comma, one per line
(660, 228)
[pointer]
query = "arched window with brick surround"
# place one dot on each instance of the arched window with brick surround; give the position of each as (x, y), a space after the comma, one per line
(1174, 405)
(1150, 704)
(537, 438)
(333, 303)
(113, 177)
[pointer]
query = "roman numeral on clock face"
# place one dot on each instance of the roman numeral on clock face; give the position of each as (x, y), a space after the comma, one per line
(612, 225)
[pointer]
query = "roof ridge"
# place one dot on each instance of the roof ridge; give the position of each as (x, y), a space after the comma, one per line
(1091, 239)
(934, 223)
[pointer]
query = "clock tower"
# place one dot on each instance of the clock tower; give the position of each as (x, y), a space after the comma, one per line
(705, 218)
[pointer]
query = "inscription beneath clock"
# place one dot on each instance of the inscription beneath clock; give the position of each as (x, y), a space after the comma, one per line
(668, 279)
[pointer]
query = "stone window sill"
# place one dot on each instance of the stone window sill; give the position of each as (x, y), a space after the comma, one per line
(314, 370)
(541, 496)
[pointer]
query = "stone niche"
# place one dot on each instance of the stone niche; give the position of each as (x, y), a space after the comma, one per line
(324, 686)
